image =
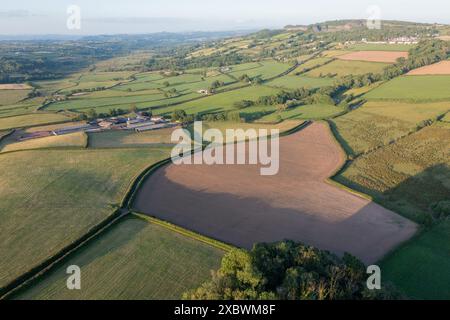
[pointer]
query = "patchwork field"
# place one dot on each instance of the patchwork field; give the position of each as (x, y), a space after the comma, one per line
(246, 207)
(379, 47)
(264, 70)
(442, 68)
(420, 267)
(379, 123)
(132, 260)
(51, 198)
(413, 88)
(407, 176)
(75, 140)
(29, 120)
(374, 56)
(342, 68)
(310, 64)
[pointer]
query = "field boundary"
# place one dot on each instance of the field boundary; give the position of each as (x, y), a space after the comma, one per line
(185, 232)
(39, 270)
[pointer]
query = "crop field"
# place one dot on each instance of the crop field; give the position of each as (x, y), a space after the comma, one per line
(379, 123)
(342, 68)
(407, 176)
(33, 119)
(75, 140)
(133, 260)
(14, 86)
(12, 96)
(295, 82)
(117, 139)
(374, 56)
(442, 68)
(246, 207)
(413, 88)
(420, 267)
(221, 101)
(49, 198)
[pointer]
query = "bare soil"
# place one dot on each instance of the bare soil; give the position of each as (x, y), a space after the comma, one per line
(440, 68)
(374, 56)
(235, 204)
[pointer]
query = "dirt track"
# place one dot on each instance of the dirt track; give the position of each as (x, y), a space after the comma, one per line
(440, 68)
(374, 56)
(235, 204)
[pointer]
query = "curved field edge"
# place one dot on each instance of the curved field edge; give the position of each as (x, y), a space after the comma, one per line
(47, 264)
(133, 259)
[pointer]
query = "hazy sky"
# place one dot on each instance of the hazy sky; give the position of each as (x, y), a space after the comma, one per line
(144, 16)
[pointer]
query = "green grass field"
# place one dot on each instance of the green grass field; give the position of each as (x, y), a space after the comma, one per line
(264, 70)
(221, 101)
(74, 140)
(407, 176)
(29, 120)
(8, 97)
(420, 268)
(295, 82)
(342, 68)
(133, 260)
(27, 106)
(378, 123)
(50, 198)
(114, 139)
(413, 88)
(314, 111)
(313, 63)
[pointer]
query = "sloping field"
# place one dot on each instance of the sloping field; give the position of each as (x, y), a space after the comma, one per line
(380, 122)
(429, 254)
(50, 198)
(77, 139)
(12, 96)
(408, 176)
(33, 119)
(117, 139)
(296, 82)
(374, 56)
(380, 47)
(132, 260)
(342, 68)
(235, 204)
(442, 68)
(413, 88)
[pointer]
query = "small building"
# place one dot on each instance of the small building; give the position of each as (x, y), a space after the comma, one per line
(72, 129)
(203, 91)
(155, 126)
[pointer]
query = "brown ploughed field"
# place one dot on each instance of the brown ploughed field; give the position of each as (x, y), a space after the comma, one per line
(440, 68)
(374, 56)
(235, 204)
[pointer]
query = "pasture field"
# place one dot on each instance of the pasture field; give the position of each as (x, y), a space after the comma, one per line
(50, 198)
(313, 63)
(413, 88)
(379, 47)
(420, 267)
(265, 70)
(75, 140)
(313, 111)
(334, 53)
(379, 123)
(34, 119)
(296, 203)
(13, 96)
(442, 68)
(374, 56)
(117, 139)
(222, 101)
(27, 106)
(295, 82)
(342, 68)
(134, 259)
(407, 176)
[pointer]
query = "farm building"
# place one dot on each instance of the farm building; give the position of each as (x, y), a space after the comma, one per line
(155, 126)
(72, 129)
